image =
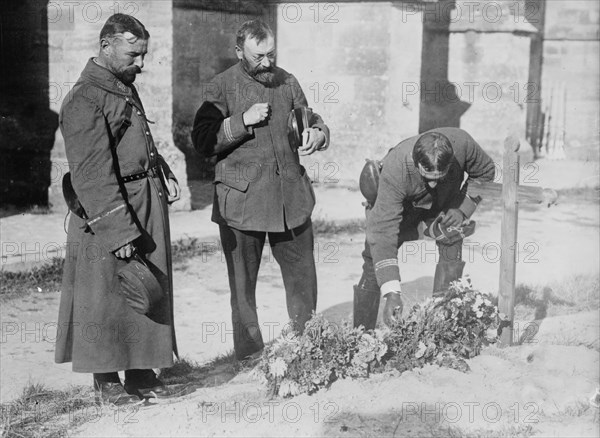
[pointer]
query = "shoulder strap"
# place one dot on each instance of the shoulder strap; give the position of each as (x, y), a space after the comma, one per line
(124, 125)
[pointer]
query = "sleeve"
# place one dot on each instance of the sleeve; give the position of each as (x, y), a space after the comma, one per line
(479, 167)
(299, 101)
(384, 221)
(90, 158)
(216, 130)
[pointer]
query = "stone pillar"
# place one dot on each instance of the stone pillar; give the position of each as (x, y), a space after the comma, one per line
(440, 100)
(27, 124)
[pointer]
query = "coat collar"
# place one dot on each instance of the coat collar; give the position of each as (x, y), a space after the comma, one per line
(104, 78)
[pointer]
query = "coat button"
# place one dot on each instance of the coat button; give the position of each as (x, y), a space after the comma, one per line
(147, 132)
(151, 154)
(139, 113)
(159, 193)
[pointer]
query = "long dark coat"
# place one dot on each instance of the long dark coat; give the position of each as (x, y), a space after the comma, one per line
(97, 330)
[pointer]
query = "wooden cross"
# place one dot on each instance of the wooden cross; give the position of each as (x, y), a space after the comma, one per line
(508, 236)
(512, 194)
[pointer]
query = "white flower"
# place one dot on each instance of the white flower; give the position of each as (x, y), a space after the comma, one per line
(278, 367)
(465, 282)
(421, 351)
(477, 304)
(288, 387)
(380, 334)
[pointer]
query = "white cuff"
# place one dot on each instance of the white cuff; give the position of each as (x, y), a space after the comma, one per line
(390, 286)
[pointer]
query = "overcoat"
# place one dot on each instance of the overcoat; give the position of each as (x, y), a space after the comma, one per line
(97, 331)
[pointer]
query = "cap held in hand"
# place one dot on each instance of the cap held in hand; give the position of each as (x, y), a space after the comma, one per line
(298, 120)
(138, 285)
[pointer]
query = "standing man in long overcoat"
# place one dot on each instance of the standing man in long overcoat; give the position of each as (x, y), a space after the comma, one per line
(125, 204)
(260, 186)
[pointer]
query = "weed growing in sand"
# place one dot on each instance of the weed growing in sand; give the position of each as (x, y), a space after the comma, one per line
(45, 278)
(40, 411)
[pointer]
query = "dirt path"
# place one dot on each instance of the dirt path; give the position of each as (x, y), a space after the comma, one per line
(554, 244)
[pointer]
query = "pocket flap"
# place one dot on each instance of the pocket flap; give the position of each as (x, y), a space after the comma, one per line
(238, 184)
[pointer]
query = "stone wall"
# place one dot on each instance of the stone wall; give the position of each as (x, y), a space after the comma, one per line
(74, 28)
(571, 52)
(359, 66)
(490, 72)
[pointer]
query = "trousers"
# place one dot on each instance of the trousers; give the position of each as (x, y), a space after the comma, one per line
(293, 251)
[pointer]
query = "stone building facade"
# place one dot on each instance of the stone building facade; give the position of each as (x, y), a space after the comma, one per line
(376, 71)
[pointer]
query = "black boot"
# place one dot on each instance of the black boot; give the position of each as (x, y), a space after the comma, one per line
(445, 273)
(145, 383)
(366, 306)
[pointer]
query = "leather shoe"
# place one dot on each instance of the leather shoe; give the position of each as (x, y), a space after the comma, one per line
(252, 360)
(151, 386)
(114, 393)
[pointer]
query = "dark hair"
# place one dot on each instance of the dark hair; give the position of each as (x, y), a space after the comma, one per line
(253, 29)
(121, 23)
(433, 151)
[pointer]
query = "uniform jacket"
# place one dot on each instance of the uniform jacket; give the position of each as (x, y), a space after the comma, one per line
(401, 187)
(97, 331)
(260, 184)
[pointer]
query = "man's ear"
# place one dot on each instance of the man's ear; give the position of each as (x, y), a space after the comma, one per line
(239, 52)
(105, 45)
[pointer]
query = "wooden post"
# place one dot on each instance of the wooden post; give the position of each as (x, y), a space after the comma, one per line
(508, 237)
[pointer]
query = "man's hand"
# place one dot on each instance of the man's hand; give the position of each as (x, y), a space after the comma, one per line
(316, 140)
(393, 308)
(125, 251)
(453, 218)
(256, 114)
(174, 191)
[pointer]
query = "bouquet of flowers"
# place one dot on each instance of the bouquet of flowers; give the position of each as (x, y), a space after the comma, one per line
(444, 331)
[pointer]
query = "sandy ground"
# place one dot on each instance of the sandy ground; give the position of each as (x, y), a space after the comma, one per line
(540, 381)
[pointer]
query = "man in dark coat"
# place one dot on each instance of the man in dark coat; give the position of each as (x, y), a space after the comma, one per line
(421, 178)
(126, 212)
(260, 186)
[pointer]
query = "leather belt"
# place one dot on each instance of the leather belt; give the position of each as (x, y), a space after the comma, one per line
(144, 174)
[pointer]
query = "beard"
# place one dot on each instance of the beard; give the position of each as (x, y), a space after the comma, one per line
(128, 75)
(264, 75)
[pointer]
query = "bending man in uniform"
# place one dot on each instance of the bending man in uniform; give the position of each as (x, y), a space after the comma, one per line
(421, 180)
